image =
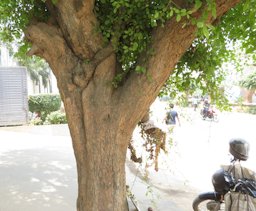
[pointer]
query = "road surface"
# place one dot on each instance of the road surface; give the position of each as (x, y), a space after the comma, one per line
(38, 171)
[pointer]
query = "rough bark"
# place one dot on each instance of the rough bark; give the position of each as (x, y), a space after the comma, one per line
(101, 119)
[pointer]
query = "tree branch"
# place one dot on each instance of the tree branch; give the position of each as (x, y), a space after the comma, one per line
(169, 44)
(78, 16)
(48, 43)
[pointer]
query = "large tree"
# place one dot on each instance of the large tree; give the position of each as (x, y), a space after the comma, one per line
(110, 58)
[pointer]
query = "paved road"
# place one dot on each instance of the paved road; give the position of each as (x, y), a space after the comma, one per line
(37, 166)
(199, 148)
(38, 173)
(37, 169)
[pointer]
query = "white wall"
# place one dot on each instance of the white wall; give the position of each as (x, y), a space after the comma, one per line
(7, 61)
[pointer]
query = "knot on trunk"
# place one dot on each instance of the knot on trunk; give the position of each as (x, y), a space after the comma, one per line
(82, 73)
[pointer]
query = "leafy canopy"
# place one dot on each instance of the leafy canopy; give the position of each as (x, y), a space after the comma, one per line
(202, 67)
(15, 15)
(128, 24)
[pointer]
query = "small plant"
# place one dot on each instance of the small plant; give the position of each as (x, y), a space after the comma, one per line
(44, 104)
(56, 117)
(251, 110)
(36, 121)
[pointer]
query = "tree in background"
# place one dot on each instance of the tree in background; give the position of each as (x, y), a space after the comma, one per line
(249, 83)
(111, 58)
(38, 70)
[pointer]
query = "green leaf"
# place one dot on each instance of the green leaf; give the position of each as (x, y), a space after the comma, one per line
(156, 16)
(140, 69)
(198, 4)
(153, 23)
(214, 13)
(246, 5)
(54, 2)
(183, 12)
(205, 32)
(171, 13)
(200, 24)
(135, 46)
(178, 17)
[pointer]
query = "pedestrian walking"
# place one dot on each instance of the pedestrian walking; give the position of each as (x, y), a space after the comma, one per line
(172, 116)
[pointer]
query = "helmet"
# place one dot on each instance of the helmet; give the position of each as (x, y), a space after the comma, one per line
(222, 181)
(239, 148)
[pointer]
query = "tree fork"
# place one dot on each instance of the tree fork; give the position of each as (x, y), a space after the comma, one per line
(101, 118)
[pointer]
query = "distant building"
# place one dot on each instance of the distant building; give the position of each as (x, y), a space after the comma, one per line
(13, 91)
(13, 96)
(6, 60)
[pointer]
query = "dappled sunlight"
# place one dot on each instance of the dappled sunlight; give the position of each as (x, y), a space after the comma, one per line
(60, 165)
(38, 179)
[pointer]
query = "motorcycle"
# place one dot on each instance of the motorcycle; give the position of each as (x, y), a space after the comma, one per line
(210, 114)
(234, 185)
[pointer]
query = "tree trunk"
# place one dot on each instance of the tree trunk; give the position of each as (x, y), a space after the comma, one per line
(101, 173)
(100, 159)
(101, 170)
(100, 139)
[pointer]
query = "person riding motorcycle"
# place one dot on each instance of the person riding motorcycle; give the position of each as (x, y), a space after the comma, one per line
(206, 108)
(234, 185)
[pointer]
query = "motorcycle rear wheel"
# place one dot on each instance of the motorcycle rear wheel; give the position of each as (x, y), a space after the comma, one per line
(208, 205)
(207, 202)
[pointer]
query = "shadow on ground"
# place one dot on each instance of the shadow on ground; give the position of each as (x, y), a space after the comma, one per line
(38, 180)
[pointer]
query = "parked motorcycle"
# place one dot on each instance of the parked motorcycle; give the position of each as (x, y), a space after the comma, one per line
(234, 185)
